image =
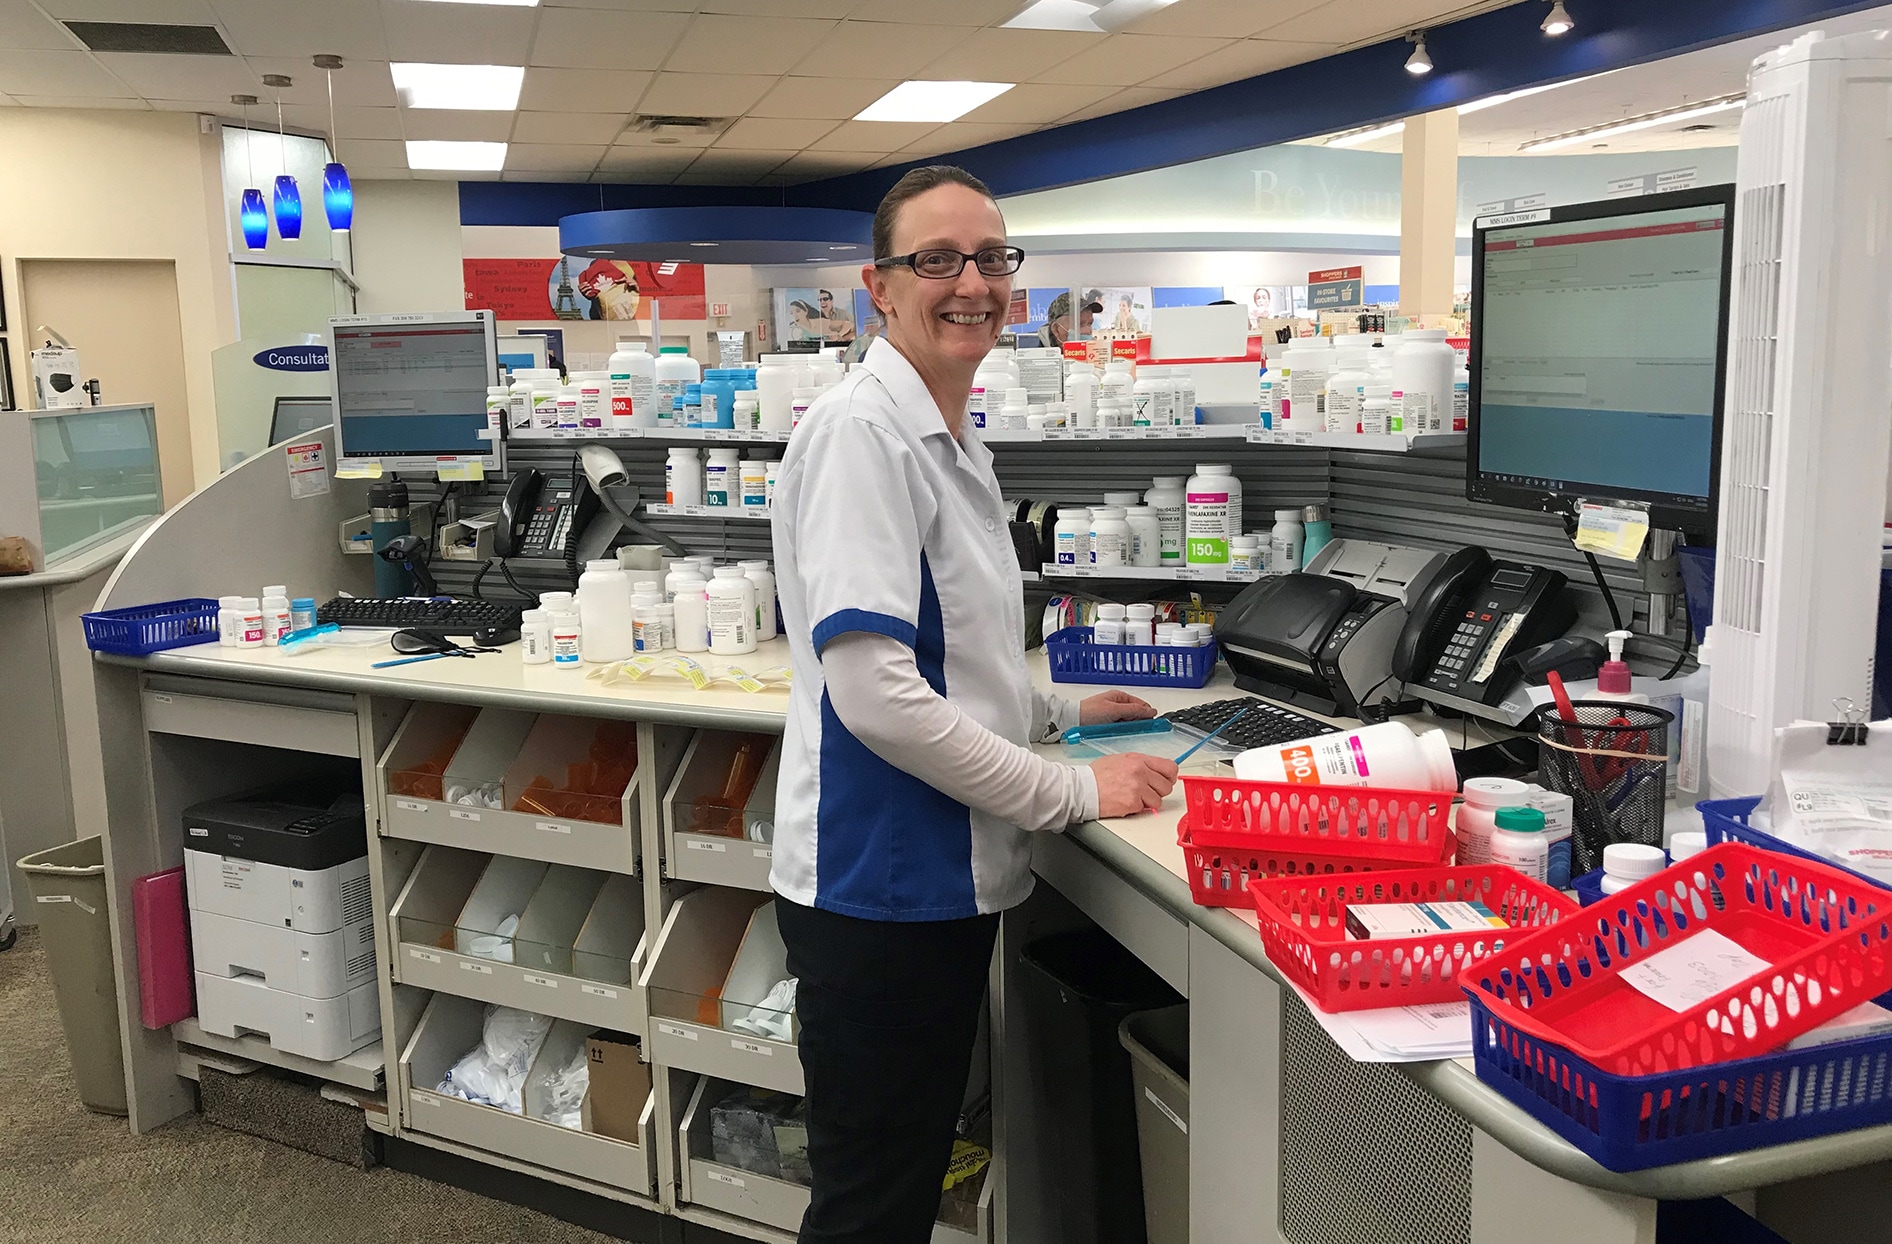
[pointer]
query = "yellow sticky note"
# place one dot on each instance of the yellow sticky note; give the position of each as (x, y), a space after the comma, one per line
(358, 470)
(471, 472)
(1611, 530)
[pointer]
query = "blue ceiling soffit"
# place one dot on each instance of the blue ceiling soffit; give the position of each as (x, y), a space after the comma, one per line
(546, 202)
(735, 235)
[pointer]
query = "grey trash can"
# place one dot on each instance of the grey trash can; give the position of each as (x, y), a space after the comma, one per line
(68, 884)
(1158, 1042)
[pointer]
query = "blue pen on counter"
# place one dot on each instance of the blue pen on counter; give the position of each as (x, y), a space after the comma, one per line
(1196, 746)
(1114, 729)
(308, 637)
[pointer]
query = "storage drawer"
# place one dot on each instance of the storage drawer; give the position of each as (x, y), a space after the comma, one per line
(693, 965)
(740, 859)
(288, 726)
(447, 1030)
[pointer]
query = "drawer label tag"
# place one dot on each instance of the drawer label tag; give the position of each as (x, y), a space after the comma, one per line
(425, 956)
(546, 981)
(553, 827)
(410, 805)
(676, 1030)
(724, 1178)
(484, 969)
(751, 1047)
(462, 814)
(599, 991)
(698, 845)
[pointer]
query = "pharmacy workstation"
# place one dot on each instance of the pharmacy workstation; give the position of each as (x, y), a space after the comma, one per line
(1186, 657)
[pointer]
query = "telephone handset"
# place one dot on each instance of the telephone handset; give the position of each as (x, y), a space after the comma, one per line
(543, 515)
(1475, 614)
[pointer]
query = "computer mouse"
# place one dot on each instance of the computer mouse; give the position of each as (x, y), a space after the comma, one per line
(494, 636)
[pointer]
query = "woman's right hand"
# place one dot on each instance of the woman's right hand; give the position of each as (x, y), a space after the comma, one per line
(1132, 782)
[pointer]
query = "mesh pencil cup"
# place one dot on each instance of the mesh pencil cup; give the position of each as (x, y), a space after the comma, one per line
(1610, 758)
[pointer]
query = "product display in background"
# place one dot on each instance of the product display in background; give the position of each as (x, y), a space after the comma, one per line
(569, 288)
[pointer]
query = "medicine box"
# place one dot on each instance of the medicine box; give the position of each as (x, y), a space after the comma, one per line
(319, 1028)
(1377, 921)
(315, 965)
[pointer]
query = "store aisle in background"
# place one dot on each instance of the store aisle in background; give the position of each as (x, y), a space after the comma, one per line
(68, 1176)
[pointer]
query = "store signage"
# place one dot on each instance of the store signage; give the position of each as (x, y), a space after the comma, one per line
(1332, 288)
(1652, 183)
(293, 358)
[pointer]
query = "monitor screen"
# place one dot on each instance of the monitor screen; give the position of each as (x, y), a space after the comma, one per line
(296, 416)
(413, 388)
(111, 441)
(1599, 344)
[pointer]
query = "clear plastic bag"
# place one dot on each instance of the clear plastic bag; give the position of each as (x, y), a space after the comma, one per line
(493, 1073)
(565, 1092)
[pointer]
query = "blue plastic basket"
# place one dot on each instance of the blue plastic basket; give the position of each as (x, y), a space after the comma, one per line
(1630, 1123)
(1589, 887)
(1074, 658)
(145, 629)
(1726, 820)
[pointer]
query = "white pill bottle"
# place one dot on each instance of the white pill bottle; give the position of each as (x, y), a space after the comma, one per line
(1387, 755)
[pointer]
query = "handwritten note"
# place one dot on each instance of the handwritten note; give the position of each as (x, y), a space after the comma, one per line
(1693, 970)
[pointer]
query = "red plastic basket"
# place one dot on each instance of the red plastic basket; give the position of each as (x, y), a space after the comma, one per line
(1824, 930)
(1303, 929)
(1234, 831)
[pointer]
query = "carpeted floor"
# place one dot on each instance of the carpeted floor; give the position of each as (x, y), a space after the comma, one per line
(68, 1176)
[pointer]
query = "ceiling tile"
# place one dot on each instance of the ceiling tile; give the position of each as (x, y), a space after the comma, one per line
(625, 6)
(704, 94)
(1350, 23)
(1227, 19)
(455, 126)
(811, 165)
(959, 135)
(1245, 58)
(829, 9)
(57, 73)
(349, 122)
(633, 141)
(830, 99)
(714, 179)
(567, 127)
(773, 133)
(1038, 103)
(185, 77)
(583, 90)
(371, 152)
(347, 28)
(1121, 99)
(577, 159)
(83, 101)
(165, 12)
(595, 39)
(365, 83)
(879, 137)
(952, 13)
(213, 107)
(457, 34)
(892, 49)
(754, 162)
(631, 165)
(25, 28)
(758, 44)
(997, 55)
(1125, 60)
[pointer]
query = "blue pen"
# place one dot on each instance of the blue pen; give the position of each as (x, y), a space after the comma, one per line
(1210, 735)
(1114, 729)
(427, 656)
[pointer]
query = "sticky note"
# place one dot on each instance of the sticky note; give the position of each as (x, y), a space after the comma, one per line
(472, 472)
(370, 469)
(1611, 530)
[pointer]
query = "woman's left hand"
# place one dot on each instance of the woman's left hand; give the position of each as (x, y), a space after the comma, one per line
(1112, 706)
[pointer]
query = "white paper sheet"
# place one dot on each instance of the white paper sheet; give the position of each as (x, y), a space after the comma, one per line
(1693, 970)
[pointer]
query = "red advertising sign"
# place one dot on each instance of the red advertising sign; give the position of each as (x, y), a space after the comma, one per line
(571, 288)
(1336, 274)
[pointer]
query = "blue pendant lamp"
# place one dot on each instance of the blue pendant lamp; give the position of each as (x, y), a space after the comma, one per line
(252, 215)
(338, 194)
(288, 199)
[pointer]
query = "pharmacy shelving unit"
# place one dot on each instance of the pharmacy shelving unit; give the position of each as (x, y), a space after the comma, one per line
(1151, 574)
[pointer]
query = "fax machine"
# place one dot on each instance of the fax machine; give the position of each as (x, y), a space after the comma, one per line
(1324, 638)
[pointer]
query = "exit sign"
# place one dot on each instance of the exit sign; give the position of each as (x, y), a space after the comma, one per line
(718, 310)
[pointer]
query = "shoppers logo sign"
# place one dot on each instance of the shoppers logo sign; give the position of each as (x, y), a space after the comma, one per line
(294, 358)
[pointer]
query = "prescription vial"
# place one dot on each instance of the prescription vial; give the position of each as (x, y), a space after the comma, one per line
(519, 401)
(302, 613)
(692, 610)
(755, 483)
(229, 621)
(1422, 372)
(604, 610)
(1376, 413)
(1630, 863)
(1518, 841)
(1146, 535)
(249, 622)
(746, 406)
(1212, 514)
(667, 617)
(1285, 541)
(545, 401)
(594, 400)
(1110, 537)
(1476, 817)
(1344, 384)
(722, 477)
(1071, 537)
(1183, 381)
(1139, 625)
(1244, 554)
(764, 580)
(670, 372)
(276, 618)
(1461, 398)
(771, 471)
(535, 637)
(1560, 821)
(1166, 498)
(566, 636)
(631, 374)
(498, 408)
(1080, 391)
(646, 631)
(1109, 626)
(731, 612)
(800, 401)
(1387, 755)
(1172, 635)
(683, 478)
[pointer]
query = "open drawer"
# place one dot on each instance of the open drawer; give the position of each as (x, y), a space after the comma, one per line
(575, 954)
(712, 967)
(505, 788)
(719, 813)
(731, 1186)
(450, 1027)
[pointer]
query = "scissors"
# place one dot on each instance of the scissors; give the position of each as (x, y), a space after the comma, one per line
(425, 646)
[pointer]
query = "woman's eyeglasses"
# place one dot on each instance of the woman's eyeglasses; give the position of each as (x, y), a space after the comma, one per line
(944, 265)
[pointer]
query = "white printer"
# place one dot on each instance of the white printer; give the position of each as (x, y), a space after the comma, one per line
(282, 923)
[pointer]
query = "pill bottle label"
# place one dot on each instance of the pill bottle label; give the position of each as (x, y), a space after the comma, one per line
(1340, 761)
(667, 392)
(1461, 405)
(535, 644)
(1141, 412)
(1067, 548)
(1532, 864)
(564, 647)
(716, 484)
(545, 410)
(1107, 548)
(1137, 550)
(1417, 412)
(1396, 412)
(1244, 560)
(975, 406)
(519, 408)
(729, 622)
(754, 489)
(644, 633)
(1208, 528)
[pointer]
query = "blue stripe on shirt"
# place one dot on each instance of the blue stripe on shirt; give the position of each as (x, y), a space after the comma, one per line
(842, 621)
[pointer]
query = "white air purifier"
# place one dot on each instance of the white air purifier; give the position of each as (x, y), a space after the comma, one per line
(1809, 399)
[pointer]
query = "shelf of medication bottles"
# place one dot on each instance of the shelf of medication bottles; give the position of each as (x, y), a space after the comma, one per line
(1184, 432)
(1388, 443)
(686, 436)
(709, 511)
(1166, 574)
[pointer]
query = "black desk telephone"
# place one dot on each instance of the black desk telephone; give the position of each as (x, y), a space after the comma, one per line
(544, 515)
(1474, 615)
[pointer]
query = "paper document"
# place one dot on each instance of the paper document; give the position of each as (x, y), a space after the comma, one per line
(1398, 1034)
(1693, 970)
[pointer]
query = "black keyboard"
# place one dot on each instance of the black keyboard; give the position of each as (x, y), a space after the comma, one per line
(1264, 725)
(447, 617)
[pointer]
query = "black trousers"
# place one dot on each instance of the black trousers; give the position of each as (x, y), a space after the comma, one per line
(889, 1012)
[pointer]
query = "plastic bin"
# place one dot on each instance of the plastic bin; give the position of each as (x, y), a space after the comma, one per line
(1078, 987)
(1158, 1044)
(68, 884)
(1074, 658)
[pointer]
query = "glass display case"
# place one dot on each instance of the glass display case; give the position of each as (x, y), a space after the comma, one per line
(95, 472)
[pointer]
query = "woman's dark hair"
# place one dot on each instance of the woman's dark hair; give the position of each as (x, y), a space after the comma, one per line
(914, 184)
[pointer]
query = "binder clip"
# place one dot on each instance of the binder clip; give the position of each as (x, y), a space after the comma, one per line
(1851, 728)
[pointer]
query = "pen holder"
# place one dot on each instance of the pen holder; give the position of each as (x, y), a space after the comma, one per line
(1611, 758)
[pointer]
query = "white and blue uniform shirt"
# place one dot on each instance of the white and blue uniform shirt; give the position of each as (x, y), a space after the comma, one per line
(884, 523)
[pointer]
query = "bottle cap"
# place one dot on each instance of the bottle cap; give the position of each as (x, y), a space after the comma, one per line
(1524, 820)
(1287, 516)
(1632, 861)
(1435, 750)
(1495, 792)
(610, 564)
(535, 615)
(1110, 613)
(1686, 842)
(303, 602)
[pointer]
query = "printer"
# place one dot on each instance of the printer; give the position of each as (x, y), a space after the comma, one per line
(1323, 638)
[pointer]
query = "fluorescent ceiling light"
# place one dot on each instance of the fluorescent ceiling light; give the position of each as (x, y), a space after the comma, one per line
(932, 101)
(436, 153)
(1492, 101)
(1647, 121)
(473, 88)
(1076, 15)
(1354, 138)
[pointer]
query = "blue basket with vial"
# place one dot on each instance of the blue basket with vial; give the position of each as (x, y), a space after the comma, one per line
(1077, 657)
(1726, 820)
(145, 629)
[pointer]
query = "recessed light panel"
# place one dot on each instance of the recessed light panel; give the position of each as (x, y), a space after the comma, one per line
(469, 88)
(932, 101)
(439, 154)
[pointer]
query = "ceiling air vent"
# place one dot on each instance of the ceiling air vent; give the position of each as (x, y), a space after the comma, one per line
(150, 37)
(679, 127)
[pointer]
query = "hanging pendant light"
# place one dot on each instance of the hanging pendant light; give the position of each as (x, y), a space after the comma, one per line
(252, 215)
(288, 198)
(338, 194)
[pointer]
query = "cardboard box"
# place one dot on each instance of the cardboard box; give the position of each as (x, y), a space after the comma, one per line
(620, 1085)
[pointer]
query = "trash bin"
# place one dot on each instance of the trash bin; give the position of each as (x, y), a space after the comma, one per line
(68, 884)
(1158, 1042)
(1078, 987)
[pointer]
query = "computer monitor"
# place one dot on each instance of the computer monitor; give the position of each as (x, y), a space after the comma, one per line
(410, 390)
(298, 416)
(111, 441)
(1599, 354)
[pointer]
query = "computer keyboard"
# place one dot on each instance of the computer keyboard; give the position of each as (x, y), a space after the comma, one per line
(448, 617)
(1264, 724)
